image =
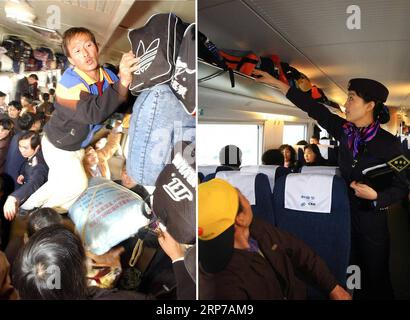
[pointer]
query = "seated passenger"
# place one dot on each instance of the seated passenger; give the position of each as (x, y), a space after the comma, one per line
(52, 266)
(289, 155)
(314, 140)
(312, 156)
(246, 258)
(32, 175)
(230, 158)
(272, 157)
(96, 159)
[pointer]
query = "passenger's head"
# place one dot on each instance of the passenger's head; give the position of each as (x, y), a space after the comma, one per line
(272, 157)
(90, 157)
(312, 154)
(26, 100)
(29, 144)
(314, 140)
(365, 102)
(52, 91)
(81, 49)
(32, 78)
(39, 119)
(41, 218)
(289, 154)
(2, 98)
(51, 266)
(45, 96)
(6, 128)
(14, 109)
(223, 212)
(26, 121)
(230, 155)
(302, 143)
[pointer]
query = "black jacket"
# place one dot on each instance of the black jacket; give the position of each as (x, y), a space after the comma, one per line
(287, 265)
(382, 148)
(35, 172)
(70, 123)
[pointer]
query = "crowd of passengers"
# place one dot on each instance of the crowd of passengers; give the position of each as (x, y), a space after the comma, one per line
(51, 172)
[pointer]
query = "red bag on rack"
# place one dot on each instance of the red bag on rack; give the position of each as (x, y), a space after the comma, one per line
(244, 64)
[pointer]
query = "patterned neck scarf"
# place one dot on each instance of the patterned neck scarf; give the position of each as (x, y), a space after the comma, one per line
(358, 136)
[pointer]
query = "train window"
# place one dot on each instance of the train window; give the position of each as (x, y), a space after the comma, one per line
(292, 133)
(211, 138)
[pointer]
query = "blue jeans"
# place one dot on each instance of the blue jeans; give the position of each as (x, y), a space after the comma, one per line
(158, 121)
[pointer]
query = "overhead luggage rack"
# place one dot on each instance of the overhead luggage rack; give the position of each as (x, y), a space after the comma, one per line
(213, 77)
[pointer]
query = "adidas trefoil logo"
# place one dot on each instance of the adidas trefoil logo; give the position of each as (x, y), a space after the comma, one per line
(146, 56)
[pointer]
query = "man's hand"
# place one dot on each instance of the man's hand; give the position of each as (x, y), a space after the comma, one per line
(170, 246)
(128, 65)
(264, 77)
(338, 293)
(363, 191)
(10, 208)
(20, 179)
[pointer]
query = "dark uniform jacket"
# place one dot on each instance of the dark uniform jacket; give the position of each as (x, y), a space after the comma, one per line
(35, 172)
(281, 273)
(382, 148)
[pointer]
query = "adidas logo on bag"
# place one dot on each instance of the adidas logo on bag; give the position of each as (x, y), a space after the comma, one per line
(146, 56)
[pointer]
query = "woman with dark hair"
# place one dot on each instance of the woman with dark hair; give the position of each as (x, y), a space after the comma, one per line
(289, 156)
(363, 144)
(312, 156)
(52, 266)
(272, 157)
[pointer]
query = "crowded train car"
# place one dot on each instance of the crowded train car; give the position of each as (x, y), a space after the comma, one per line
(97, 149)
(303, 154)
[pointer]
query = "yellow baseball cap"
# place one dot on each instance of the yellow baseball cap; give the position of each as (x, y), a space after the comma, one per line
(218, 204)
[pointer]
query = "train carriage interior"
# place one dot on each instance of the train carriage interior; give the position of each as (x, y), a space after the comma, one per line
(314, 37)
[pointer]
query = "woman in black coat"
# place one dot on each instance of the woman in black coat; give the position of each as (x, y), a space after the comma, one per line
(363, 144)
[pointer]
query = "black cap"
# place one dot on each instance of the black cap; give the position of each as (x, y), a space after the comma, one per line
(175, 194)
(370, 88)
(215, 254)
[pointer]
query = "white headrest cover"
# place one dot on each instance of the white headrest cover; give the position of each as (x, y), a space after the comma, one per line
(321, 170)
(244, 181)
(308, 192)
(269, 170)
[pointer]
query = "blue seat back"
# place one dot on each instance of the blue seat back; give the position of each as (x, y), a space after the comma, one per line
(328, 232)
(256, 188)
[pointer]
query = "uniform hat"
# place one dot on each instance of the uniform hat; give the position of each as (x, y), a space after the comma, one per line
(370, 88)
(218, 204)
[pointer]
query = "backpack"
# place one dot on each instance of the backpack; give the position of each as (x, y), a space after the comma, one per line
(244, 62)
(208, 52)
(156, 44)
(183, 82)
